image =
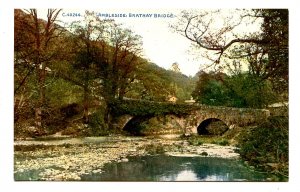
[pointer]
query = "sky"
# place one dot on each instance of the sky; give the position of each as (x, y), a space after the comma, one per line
(161, 46)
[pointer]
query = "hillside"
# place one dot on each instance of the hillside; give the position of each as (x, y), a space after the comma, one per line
(158, 84)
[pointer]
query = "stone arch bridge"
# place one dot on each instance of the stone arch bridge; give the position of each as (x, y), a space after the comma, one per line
(186, 118)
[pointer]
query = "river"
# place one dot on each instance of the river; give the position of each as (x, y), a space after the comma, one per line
(170, 168)
(128, 159)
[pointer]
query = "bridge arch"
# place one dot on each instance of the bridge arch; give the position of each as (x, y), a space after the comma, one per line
(134, 125)
(212, 126)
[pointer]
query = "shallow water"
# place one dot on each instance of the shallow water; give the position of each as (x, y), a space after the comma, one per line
(169, 168)
(83, 158)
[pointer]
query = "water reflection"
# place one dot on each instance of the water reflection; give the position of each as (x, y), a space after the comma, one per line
(168, 168)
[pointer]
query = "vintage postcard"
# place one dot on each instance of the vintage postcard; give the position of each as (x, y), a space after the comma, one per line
(131, 96)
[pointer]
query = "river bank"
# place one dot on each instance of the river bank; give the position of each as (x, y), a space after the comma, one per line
(69, 158)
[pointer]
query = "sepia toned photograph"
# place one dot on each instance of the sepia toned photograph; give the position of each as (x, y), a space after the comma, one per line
(156, 95)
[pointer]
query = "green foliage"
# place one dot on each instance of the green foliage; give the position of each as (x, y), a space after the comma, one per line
(60, 92)
(97, 125)
(155, 83)
(266, 146)
(276, 30)
(214, 94)
(150, 84)
(245, 90)
(199, 140)
(241, 90)
(182, 86)
(209, 89)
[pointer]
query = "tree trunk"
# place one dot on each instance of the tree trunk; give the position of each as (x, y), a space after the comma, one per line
(38, 117)
(85, 105)
(107, 114)
(42, 96)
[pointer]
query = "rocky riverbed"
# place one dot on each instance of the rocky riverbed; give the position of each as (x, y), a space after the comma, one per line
(68, 159)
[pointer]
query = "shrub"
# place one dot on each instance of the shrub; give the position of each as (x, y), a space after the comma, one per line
(266, 146)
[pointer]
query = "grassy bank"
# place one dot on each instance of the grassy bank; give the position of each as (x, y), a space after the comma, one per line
(266, 146)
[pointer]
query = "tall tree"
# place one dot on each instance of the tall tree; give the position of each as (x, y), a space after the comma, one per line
(218, 35)
(84, 56)
(275, 29)
(152, 83)
(107, 56)
(121, 61)
(35, 49)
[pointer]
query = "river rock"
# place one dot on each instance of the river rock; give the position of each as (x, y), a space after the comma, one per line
(124, 160)
(97, 171)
